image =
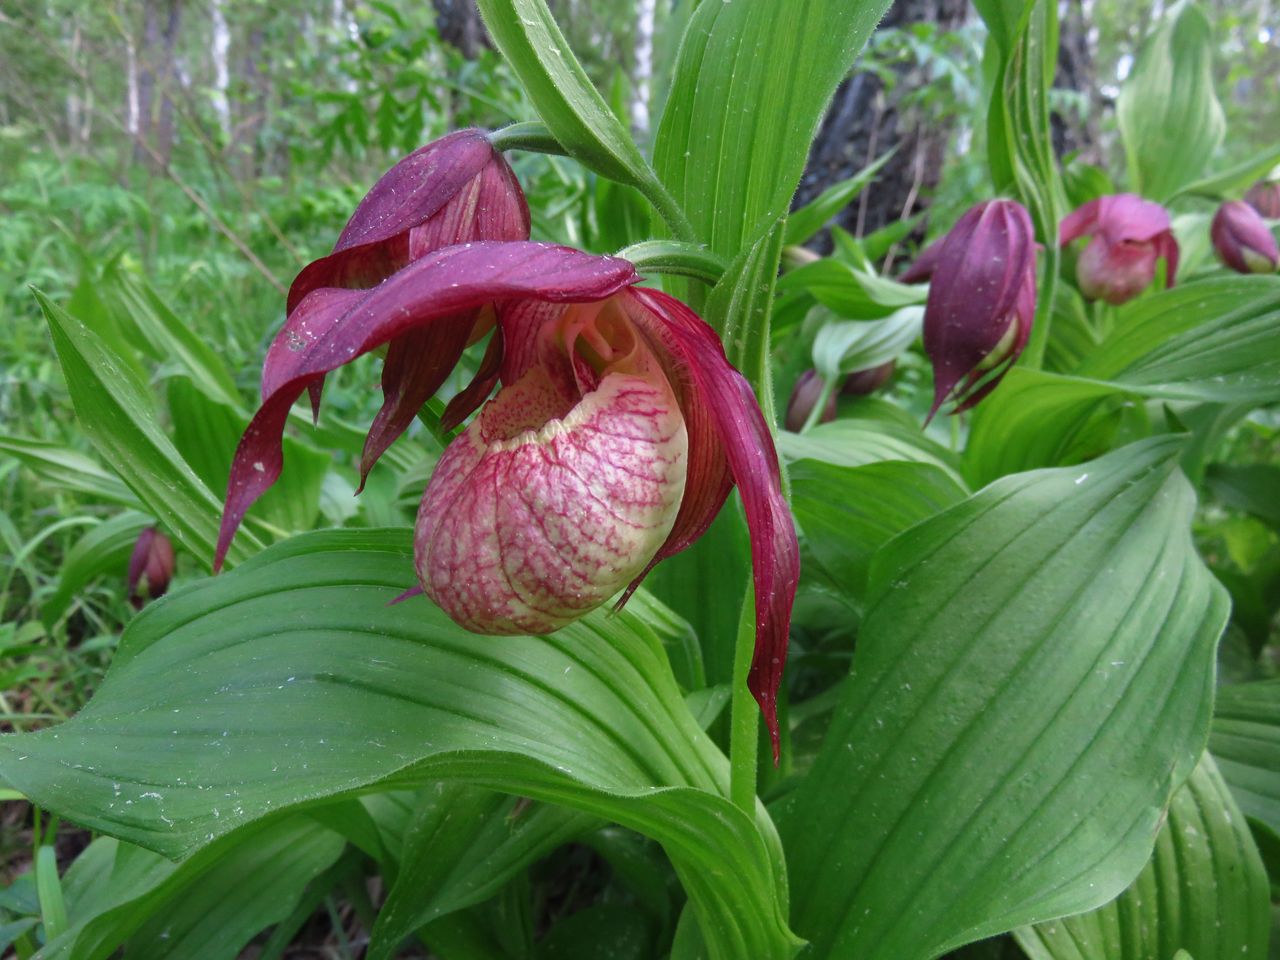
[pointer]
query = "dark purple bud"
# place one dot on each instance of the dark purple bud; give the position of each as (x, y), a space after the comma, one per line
(1242, 240)
(861, 383)
(805, 395)
(150, 567)
(1128, 234)
(982, 301)
(1264, 196)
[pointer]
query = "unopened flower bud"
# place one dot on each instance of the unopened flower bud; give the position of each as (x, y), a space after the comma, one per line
(862, 383)
(806, 394)
(1264, 196)
(150, 567)
(982, 301)
(1128, 234)
(1242, 240)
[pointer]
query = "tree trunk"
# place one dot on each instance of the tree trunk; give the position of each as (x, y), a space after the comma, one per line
(1076, 131)
(219, 48)
(146, 77)
(459, 24)
(170, 81)
(864, 121)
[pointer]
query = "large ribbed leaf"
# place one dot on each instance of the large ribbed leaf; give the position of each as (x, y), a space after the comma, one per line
(985, 768)
(67, 469)
(1204, 891)
(1170, 118)
(120, 421)
(751, 82)
(1246, 743)
(847, 513)
(291, 681)
(1209, 340)
(854, 443)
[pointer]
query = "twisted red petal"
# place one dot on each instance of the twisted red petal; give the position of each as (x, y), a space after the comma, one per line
(445, 284)
(729, 442)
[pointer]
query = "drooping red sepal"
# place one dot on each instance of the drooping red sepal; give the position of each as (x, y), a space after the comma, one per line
(729, 439)
(344, 324)
(457, 189)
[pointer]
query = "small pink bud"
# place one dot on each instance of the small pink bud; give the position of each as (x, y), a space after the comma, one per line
(150, 567)
(1242, 240)
(862, 383)
(1264, 196)
(1128, 234)
(806, 393)
(982, 301)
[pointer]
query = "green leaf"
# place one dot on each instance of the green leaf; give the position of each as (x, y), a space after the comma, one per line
(1038, 419)
(847, 347)
(1204, 891)
(294, 681)
(854, 443)
(751, 83)
(53, 907)
(1170, 119)
(677, 258)
(851, 292)
(206, 433)
(1253, 488)
(120, 421)
(803, 223)
(1235, 179)
(463, 844)
(603, 930)
(206, 908)
(847, 513)
(1246, 743)
(104, 549)
(68, 469)
(985, 749)
(1212, 340)
(573, 110)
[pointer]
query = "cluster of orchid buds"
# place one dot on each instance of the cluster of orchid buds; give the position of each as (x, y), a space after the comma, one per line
(982, 295)
(617, 431)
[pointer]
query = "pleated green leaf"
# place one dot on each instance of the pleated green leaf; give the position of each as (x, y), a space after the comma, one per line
(853, 345)
(104, 549)
(1246, 743)
(1204, 891)
(120, 421)
(751, 83)
(1033, 679)
(573, 110)
(1170, 118)
(847, 513)
(68, 469)
(854, 443)
(291, 681)
(1212, 340)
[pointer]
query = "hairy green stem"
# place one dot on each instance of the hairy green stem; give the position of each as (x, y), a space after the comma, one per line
(744, 713)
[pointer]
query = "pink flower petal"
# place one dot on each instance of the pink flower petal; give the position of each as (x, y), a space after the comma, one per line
(448, 283)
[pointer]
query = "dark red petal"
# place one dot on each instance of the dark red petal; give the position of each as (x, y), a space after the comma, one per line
(448, 283)
(311, 321)
(468, 400)
(747, 448)
(454, 190)
(1167, 247)
(416, 366)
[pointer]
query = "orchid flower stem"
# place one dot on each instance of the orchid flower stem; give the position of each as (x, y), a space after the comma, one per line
(668, 208)
(744, 714)
(828, 388)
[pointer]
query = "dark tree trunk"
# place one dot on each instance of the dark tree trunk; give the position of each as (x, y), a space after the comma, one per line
(460, 25)
(164, 126)
(865, 120)
(146, 76)
(1075, 129)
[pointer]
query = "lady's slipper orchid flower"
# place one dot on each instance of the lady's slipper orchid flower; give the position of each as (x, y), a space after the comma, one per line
(151, 567)
(1242, 239)
(982, 301)
(1264, 196)
(616, 435)
(1128, 235)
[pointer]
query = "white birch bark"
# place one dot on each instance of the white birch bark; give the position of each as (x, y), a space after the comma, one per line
(645, 10)
(219, 48)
